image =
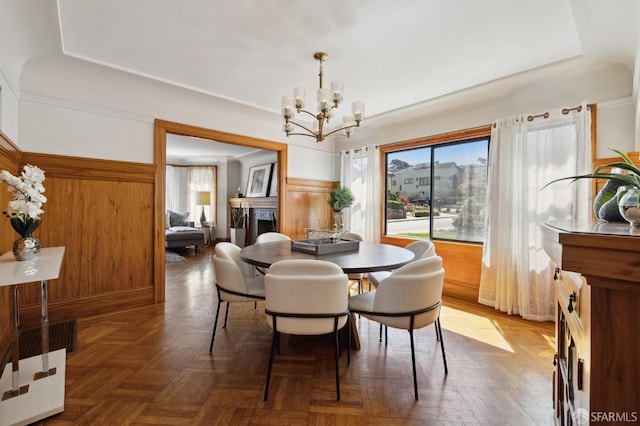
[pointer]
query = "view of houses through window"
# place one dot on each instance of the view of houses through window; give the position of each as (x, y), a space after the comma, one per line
(438, 191)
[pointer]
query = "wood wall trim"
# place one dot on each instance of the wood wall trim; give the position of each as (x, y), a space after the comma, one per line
(162, 127)
(219, 136)
(10, 153)
(254, 202)
(298, 184)
(62, 166)
(634, 155)
(9, 160)
(87, 306)
(10, 157)
(471, 133)
(159, 203)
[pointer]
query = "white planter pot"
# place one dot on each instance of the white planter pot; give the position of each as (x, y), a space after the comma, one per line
(238, 236)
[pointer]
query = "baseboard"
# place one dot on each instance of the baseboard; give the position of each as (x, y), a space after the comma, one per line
(87, 306)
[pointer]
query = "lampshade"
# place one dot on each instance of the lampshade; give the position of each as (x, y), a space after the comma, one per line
(203, 198)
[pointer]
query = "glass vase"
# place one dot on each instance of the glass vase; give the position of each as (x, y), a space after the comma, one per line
(338, 221)
(628, 204)
(26, 248)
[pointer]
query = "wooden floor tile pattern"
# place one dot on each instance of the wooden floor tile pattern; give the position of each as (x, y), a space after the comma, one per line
(152, 366)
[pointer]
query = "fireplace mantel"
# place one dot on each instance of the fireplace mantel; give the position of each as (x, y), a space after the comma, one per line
(255, 202)
(262, 214)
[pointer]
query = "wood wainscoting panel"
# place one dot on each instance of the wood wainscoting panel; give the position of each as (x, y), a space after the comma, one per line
(462, 263)
(307, 206)
(10, 161)
(102, 212)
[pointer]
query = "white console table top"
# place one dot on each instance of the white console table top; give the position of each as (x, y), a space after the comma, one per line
(45, 266)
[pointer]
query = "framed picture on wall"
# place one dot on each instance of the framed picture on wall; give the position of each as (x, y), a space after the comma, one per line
(258, 183)
(273, 186)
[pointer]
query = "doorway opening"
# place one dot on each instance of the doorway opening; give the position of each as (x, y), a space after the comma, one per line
(162, 128)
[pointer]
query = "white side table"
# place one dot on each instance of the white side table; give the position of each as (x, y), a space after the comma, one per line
(41, 394)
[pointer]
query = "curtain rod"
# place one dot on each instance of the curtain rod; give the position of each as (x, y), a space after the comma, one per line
(533, 117)
(545, 115)
(357, 150)
(565, 111)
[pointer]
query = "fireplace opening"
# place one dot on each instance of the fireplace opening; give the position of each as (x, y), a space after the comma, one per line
(261, 221)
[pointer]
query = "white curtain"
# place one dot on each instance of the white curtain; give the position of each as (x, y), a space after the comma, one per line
(202, 179)
(175, 182)
(517, 275)
(360, 172)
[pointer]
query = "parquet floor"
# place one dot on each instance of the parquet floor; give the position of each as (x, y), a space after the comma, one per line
(152, 366)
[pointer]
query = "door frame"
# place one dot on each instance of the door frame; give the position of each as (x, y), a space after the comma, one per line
(162, 127)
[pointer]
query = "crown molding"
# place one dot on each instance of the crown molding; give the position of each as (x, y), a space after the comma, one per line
(79, 106)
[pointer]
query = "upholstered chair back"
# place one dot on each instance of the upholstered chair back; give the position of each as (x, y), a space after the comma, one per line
(271, 236)
(305, 286)
(352, 236)
(231, 271)
(232, 251)
(412, 287)
(422, 249)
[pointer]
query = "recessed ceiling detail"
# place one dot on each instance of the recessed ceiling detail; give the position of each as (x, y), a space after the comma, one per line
(390, 54)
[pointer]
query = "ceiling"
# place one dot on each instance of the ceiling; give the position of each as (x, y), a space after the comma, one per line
(191, 150)
(389, 54)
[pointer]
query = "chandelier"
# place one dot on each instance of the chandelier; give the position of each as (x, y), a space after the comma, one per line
(328, 100)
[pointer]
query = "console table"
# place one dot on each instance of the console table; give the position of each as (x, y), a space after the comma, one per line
(36, 387)
(598, 316)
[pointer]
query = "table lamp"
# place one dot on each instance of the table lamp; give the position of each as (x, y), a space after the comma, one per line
(203, 198)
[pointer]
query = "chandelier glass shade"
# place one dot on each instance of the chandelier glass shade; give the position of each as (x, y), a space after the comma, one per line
(328, 99)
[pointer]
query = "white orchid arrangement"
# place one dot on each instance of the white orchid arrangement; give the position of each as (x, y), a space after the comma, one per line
(25, 210)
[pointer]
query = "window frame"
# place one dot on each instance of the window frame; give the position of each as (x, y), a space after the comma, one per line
(422, 142)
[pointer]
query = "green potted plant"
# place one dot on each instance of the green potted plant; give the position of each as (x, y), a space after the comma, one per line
(340, 198)
(621, 192)
(238, 233)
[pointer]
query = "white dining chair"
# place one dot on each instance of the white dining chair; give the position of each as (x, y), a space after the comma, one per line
(306, 297)
(358, 277)
(271, 236)
(236, 281)
(268, 237)
(420, 249)
(410, 298)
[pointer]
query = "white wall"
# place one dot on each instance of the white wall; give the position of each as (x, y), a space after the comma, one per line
(256, 159)
(303, 160)
(229, 179)
(564, 85)
(8, 108)
(28, 28)
(616, 127)
(84, 109)
(71, 107)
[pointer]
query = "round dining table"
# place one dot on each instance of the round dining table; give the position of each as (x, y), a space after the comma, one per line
(369, 257)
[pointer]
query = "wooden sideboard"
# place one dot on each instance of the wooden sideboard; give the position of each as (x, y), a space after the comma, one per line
(597, 375)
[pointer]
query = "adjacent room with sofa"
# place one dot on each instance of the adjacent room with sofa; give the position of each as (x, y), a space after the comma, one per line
(170, 142)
